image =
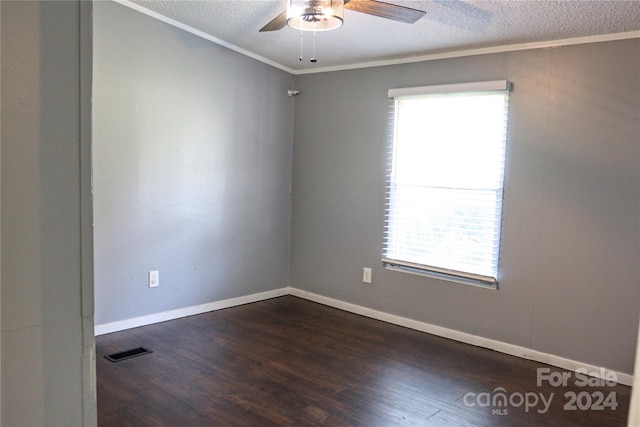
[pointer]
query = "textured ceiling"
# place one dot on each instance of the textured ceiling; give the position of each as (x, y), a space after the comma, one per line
(448, 26)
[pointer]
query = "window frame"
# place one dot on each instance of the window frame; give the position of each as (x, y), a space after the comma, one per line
(495, 86)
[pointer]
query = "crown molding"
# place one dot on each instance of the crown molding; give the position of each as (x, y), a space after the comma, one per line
(203, 35)
(479, 51)
(385, 62)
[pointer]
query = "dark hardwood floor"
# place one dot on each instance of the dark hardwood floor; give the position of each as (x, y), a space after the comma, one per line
(291, 362)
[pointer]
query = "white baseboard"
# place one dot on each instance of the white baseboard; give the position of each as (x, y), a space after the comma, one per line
(186, 311)
(502, 347)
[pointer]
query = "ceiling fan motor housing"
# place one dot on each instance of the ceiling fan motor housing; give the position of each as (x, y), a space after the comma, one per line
(315, 15)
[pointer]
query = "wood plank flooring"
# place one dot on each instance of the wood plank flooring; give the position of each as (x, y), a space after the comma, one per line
(291, 362)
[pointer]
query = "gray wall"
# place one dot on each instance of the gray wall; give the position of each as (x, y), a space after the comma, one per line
(47, 323)
(192, 168)
(569, 267)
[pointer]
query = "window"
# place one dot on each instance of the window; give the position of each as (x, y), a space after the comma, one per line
(444, 204)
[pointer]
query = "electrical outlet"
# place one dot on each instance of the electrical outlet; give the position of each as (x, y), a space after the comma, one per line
(366, 275)
(154, 279)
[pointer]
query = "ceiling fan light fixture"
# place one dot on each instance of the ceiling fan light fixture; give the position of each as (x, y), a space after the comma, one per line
(315, 15)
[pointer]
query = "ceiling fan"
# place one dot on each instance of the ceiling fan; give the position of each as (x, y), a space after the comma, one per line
(371, 7)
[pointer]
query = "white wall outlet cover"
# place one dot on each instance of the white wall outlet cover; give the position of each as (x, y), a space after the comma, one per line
(366, 275)
(154, 279)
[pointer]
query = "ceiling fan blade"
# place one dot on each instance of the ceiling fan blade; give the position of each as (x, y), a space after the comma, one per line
(276, 24)
(386, 10)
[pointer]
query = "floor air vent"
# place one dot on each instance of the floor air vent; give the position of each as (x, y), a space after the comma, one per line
(117, 357)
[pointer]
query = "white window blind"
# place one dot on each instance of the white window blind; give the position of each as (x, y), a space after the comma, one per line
(445, 184)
